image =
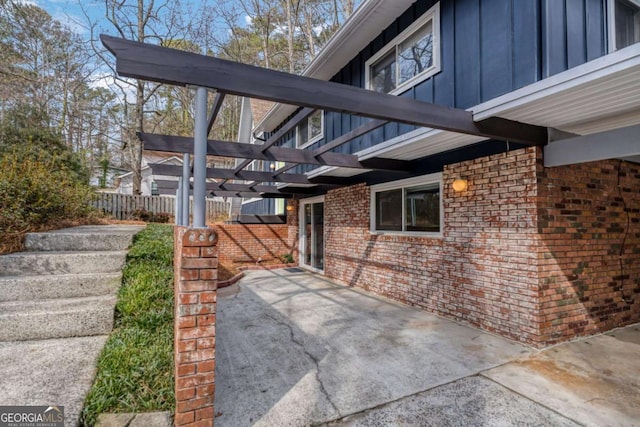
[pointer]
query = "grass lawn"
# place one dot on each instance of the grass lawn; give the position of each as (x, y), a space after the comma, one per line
(135, 369)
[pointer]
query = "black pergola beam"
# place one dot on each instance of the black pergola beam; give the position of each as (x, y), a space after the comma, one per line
(291, 124)
(249, 195)
(215, 109)
(343, 139)
(260, 219)
(171, 66)
(181, 144)
(221, 173)
(246, 188)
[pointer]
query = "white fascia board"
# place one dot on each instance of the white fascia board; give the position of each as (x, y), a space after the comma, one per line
(255, 199)
(322, 170)
(365, 24)
(145, 167)
(617, 143)
(397, 142)
(592, 70)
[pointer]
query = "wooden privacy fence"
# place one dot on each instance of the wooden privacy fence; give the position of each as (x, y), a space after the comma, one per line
(122, 206)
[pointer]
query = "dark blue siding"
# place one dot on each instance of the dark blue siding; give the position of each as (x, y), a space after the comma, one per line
(576, 41)
(573, 32)
(496, 47)
(554, 41)
(527, 52)
(467, 53)
(259, 207)
(487, 48)
(595, 37)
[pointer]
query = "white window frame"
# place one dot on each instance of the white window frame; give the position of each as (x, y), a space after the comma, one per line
(432, 14)
(611, 23)
(434, 178)
(302, 240)
(315, 138)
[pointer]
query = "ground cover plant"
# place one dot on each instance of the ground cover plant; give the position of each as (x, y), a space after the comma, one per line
(135, 369)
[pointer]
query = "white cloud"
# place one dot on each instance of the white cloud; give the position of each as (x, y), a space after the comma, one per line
(122, 90)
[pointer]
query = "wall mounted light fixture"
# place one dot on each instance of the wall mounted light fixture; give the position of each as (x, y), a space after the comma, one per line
(460, 185)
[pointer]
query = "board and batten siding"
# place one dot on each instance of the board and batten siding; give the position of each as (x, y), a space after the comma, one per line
(488, 48)
(259, 207)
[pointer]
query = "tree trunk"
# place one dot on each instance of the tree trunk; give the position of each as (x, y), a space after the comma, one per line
(290, 35)
(135, 144)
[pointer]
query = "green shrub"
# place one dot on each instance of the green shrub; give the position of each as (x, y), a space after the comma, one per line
(287, 258)
(36, 190)
(146, 216)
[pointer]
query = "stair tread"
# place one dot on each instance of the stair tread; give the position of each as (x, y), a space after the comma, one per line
(57, 305)
(52, 253)
(60, 276)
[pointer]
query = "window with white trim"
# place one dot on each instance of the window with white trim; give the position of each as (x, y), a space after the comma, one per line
(624, 23)
(412, 206)
(409, 59)
(310, 129)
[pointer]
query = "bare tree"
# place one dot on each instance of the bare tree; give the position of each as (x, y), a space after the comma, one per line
(148, 21)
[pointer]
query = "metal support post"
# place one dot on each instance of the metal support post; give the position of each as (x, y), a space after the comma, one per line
(178, 205)
(200, 159)
(184, 184)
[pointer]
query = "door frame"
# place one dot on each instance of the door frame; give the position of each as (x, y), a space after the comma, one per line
(303, 235)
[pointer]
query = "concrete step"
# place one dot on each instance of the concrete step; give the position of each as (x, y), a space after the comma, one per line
(61, 262)
(56, 318)
(29, 288)
(83, 238)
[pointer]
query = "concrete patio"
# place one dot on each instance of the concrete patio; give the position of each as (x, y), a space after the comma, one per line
(296, 349)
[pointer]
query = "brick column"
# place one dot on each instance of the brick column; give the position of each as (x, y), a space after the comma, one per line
(195, 282)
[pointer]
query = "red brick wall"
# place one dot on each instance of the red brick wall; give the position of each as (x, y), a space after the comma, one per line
(490, 242)
(516, 256)
(590, 248)
(250, 242)
(468, 274)
(195, 283)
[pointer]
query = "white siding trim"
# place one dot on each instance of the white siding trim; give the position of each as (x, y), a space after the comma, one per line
(432, 14)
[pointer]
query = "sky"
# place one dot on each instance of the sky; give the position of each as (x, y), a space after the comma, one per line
(69, 12)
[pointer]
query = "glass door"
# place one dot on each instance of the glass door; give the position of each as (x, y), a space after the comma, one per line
(312, 234)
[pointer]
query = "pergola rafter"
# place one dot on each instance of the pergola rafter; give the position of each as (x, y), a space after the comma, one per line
(242, 188)
(246, 175)
(290, 125)
(182, 144)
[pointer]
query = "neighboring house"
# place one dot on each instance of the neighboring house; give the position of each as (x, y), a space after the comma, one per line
(109, 179)
(539, 245)
(148, 185)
